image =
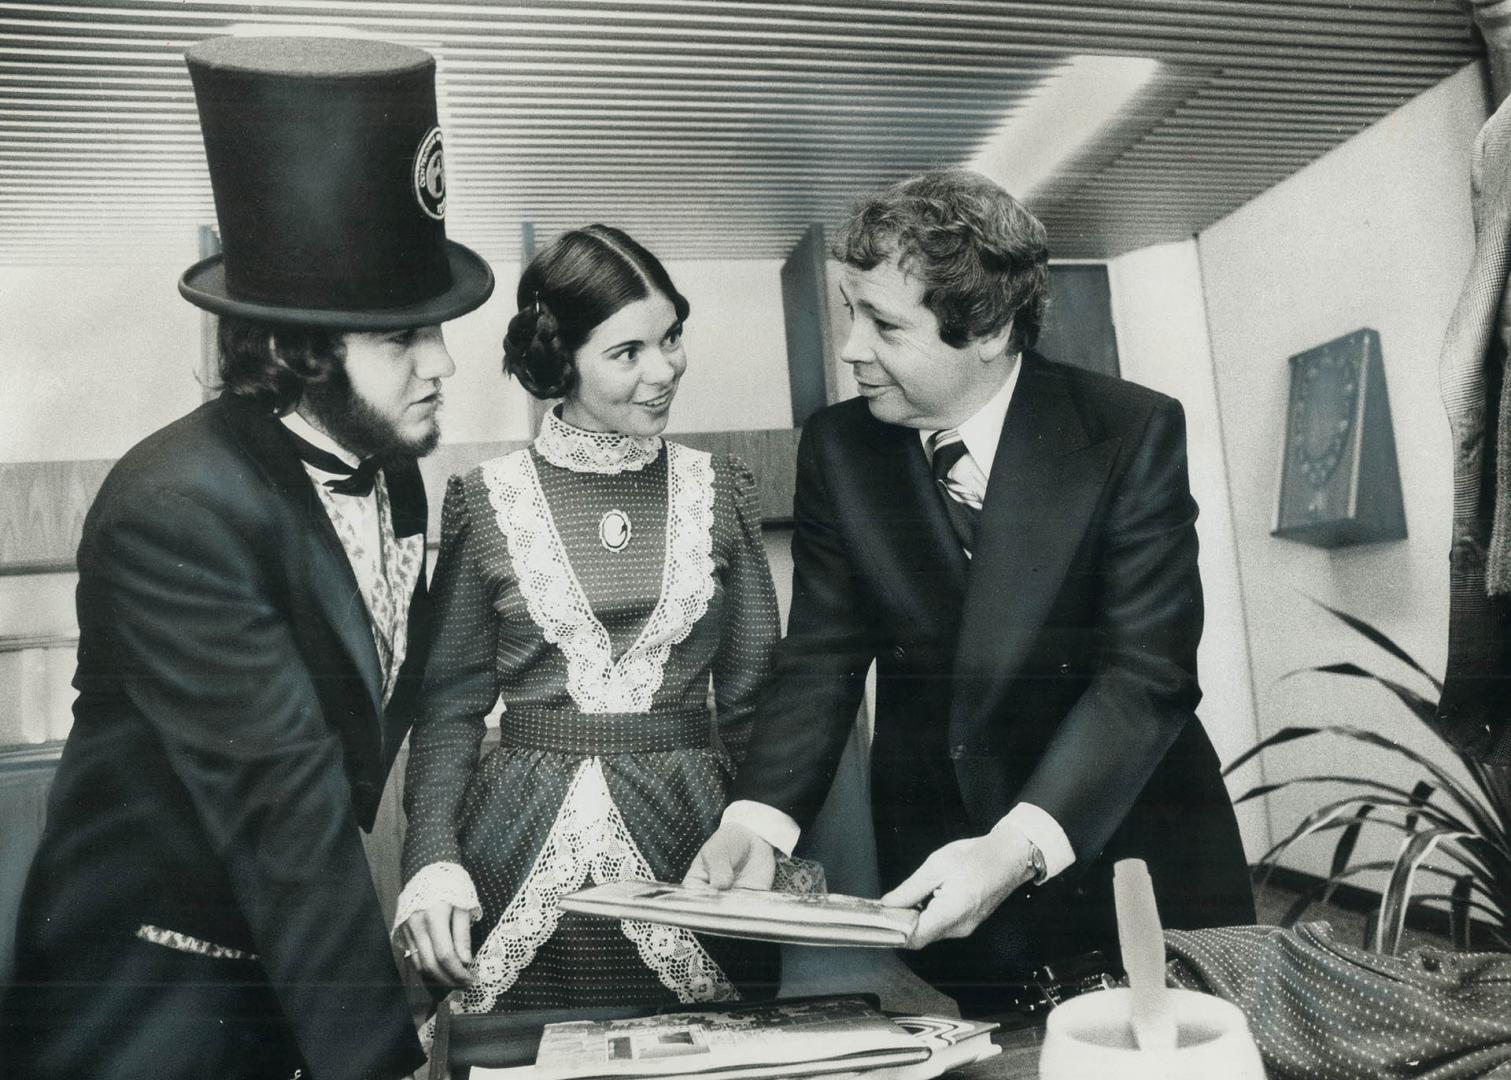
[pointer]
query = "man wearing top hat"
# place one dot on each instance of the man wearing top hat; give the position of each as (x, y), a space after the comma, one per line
(251, 610)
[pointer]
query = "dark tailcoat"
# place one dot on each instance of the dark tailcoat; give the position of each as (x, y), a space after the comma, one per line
(228, 741)
(1056, 667)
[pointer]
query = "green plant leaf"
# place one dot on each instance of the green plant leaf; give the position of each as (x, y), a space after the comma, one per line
(1470, 858)
(1480, 817)
(1459, 905)
(1402, 797)
(1284, 735)
(1421, 794)
(1397, 895)
(1424, 709)
(1293, 913)
(1371, 927)
(1330, 816)
(1495, 782)
(1378, 637)
(1345, 846)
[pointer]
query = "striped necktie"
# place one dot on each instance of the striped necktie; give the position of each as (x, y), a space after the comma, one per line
(962, 504)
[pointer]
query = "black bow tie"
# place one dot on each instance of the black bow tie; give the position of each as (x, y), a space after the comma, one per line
(349, 479)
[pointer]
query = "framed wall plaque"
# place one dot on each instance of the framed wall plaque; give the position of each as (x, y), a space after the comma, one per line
(1339, 483)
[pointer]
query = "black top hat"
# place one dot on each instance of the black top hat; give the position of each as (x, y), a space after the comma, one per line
(330, 188)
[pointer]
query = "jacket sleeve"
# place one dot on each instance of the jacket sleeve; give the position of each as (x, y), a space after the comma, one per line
(1144, 688)
(750, 625)
(205, 655)
(461, 687)
(819, 676)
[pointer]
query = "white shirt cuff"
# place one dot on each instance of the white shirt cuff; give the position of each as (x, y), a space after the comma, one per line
(439, 882)
(767, 822)
(1044, 833)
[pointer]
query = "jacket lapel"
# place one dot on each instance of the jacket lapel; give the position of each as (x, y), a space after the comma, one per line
(406, 497)
(1045, 483)
(912, 541)
(328, 580)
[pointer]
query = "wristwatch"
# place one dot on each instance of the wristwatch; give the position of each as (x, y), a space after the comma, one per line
(1036, 864)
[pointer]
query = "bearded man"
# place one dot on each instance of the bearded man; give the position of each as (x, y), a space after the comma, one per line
(251, 610)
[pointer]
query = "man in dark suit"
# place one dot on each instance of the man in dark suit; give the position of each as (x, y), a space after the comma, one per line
(251, 611)
(1012, 542)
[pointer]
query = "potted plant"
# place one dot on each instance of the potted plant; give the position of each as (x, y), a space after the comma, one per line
(1463, 828)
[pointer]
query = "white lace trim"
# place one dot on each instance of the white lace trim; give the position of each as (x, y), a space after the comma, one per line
(589, 839)
(573, 448)
(557, 603)
(437, 883)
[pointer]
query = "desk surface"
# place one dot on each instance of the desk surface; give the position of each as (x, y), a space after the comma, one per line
(1019, 1059)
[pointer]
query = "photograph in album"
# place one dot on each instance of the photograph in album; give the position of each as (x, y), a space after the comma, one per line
(806, 919)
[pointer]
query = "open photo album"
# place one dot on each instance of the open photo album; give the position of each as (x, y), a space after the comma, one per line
(800, 918)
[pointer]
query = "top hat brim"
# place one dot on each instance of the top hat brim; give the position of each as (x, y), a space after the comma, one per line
(204, 285)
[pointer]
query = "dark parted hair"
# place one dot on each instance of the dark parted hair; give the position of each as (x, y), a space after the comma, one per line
(271, 364)
(585, 276)
(982, 257)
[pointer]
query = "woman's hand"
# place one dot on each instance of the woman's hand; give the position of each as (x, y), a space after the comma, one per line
(438, 942)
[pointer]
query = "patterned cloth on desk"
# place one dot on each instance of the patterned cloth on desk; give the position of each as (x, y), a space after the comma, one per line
(1321, 1010)
(598, 584)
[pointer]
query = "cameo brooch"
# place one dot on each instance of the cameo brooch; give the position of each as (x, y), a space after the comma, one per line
(614, 530)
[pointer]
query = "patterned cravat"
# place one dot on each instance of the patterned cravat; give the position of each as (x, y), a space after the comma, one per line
(963, 505)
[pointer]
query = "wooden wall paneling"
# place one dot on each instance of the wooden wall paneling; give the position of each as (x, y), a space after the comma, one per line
(36, 692)
(805, 311)
(771, 455)
(25, 779)
(1078, 327)
(42, 508)
(42, 504)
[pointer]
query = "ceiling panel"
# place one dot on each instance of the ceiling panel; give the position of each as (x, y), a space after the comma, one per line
(720, 129)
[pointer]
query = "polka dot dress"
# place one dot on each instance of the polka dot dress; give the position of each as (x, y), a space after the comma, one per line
(1321, 1010)
(615, 594)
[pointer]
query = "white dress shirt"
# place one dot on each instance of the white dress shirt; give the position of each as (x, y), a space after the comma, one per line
(980, 433)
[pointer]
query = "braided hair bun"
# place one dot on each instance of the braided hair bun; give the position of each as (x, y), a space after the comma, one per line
(534, 354)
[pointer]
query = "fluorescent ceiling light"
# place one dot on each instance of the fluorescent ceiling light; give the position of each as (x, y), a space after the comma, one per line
(294, 30)
(1062, 115)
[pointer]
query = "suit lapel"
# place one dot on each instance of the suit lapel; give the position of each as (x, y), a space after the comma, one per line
(1045, 483)
(329, 579)
(406, 497)
(912, 541)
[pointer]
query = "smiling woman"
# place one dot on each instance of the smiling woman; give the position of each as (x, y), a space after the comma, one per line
(595, 581)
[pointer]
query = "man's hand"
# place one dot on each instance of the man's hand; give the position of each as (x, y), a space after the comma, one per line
(964, 882)
(733, 856)
(438, 942)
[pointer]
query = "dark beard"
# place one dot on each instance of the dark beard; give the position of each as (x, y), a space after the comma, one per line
(358, 427)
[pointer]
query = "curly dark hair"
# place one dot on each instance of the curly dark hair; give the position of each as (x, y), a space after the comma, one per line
(983, 258)
(272, 364)
(584, 277)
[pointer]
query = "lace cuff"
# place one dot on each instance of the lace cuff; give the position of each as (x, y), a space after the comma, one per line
(438, 883)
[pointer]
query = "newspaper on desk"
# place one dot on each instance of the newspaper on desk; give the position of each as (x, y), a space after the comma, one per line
(951, 1044)
(759, 914)
(780, 1039)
